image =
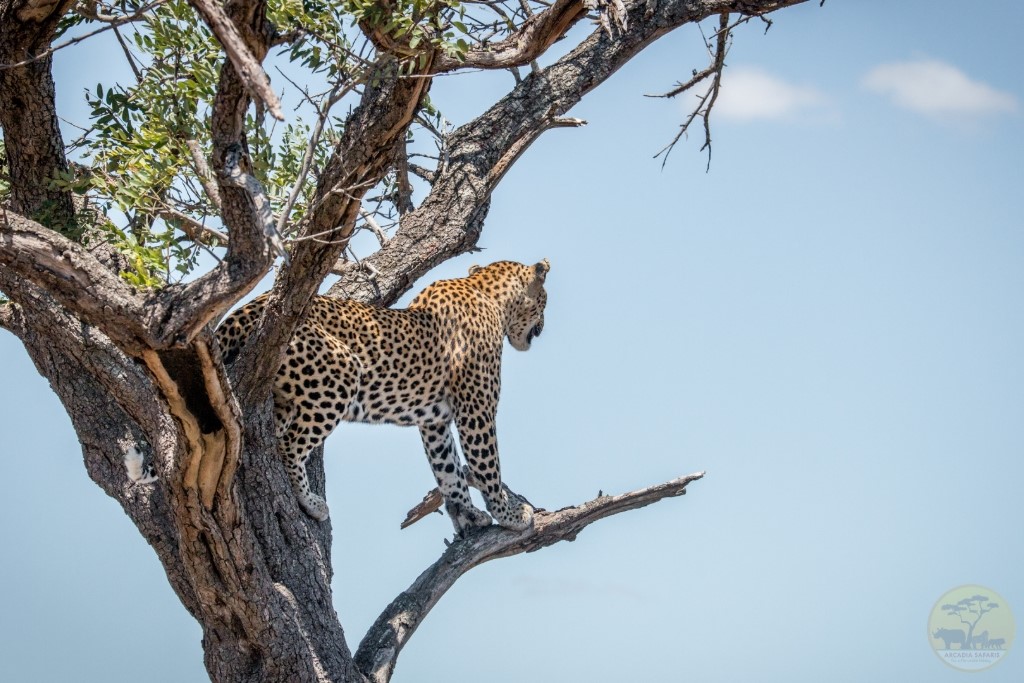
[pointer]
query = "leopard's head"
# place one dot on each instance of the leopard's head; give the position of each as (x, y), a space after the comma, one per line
(527, 319)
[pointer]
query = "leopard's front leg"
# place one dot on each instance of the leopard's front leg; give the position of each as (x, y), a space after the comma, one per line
(480, 446)
(451, 480)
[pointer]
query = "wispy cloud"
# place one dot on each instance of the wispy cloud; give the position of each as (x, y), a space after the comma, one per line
(750, 94)
(937, 89)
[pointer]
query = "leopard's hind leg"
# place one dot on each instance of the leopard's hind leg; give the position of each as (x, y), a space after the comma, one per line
(312, 393)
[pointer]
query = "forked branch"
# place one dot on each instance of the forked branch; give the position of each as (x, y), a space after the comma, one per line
(248, 66)
(382, 644)
(532, 39)
(705, 102)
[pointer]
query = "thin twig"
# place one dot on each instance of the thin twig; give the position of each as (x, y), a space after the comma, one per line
(128, 55)
(336, 94)
(706, 101)
(374, 226)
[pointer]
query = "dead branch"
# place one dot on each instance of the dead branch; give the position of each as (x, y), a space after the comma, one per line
(382, 644)
(706, 102)
(249, 69)
(532, 39)
(424, 173)
(374, 226)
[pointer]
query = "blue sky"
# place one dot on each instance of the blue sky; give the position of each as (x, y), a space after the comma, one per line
(830, 322)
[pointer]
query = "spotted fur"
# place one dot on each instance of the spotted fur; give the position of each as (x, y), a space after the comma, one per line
(434, 363)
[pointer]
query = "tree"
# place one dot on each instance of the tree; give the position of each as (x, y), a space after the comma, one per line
(101, 259)
(970, 611)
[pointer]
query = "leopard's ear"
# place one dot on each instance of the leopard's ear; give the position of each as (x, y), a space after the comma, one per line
(540, 272)
(474, 269)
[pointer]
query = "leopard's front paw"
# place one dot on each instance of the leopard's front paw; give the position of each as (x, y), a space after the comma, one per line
(315, 506)
(466, 517)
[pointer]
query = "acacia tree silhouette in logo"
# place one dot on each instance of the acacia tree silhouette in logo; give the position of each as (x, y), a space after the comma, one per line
(970, 611)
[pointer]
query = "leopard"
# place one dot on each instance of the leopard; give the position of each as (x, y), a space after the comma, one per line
(433, 364)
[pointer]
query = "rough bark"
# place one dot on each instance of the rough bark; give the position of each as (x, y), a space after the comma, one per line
(28, 114)
(140, 370)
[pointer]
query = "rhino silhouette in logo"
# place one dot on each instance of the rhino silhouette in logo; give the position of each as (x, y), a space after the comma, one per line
(950, 636)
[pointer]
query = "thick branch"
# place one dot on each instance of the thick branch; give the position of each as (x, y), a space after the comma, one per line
(532, 40)
(74, 277)
(251, 242)
(81, 283)
(383, 643)
(248, 67)
(108, 398)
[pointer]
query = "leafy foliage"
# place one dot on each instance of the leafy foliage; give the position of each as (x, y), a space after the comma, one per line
(143, 159)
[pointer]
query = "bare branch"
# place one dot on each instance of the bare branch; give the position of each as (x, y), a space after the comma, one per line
(196, 231)
(374, 226)
(706, 102)
(383, 643)
(520, 146)
(336, 94)
(424, 173)
(249, 69)
(532, 39)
